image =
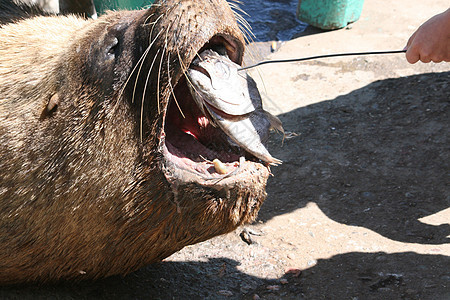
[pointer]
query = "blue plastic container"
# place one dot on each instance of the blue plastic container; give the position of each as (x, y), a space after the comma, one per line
(103, 5)
(329, 14)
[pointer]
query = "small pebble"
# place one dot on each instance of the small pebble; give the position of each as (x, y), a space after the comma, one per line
(381, 258)
(284, 281)
(294, 271)
(246, 237)
(369, 196)
(273, 288)
(445, 277)
(409, 195)
(225, 293)
(312, 262)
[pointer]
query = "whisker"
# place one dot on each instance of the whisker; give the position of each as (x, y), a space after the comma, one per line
(160, 64)
(185, 70)
(129, 76)
(180, 60)
(168, 74)
(142, 63)
(135, 67)
(148, 17)
(196, 53)
(246, 29)
(171, 87)
(244, 26)
(158, 81)
(139, 72)
(238, 13)
(143, 94)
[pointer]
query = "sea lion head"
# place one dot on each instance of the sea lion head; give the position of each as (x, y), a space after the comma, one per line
(110, 168)
(138, 63)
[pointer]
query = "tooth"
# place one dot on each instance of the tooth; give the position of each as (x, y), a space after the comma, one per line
(220, 166)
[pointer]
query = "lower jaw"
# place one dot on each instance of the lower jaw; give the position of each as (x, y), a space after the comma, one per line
(182, 171)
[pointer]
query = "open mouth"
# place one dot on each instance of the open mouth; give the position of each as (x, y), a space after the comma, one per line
(205, 138)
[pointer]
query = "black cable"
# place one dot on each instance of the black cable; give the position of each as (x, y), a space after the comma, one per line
(319, 56)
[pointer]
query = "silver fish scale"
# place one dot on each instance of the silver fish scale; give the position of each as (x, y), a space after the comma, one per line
(234, 103)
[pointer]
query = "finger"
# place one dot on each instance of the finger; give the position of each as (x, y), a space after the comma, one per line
(424, 59)
(437, 59)
(412, 56)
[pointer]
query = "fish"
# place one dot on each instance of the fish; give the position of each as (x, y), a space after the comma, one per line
(232, 102)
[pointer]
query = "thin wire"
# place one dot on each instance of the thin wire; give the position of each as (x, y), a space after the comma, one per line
(317, 57)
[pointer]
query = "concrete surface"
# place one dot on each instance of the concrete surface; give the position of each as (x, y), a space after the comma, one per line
(383, 25)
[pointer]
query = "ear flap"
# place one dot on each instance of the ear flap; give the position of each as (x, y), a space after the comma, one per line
(51, 107)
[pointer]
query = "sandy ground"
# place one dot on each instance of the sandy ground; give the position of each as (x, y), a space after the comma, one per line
(360, 208)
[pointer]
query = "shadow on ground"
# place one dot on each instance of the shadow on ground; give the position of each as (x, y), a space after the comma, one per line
(377, 157)
(347, 276)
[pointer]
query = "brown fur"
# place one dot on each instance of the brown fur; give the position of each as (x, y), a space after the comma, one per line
(85, 191)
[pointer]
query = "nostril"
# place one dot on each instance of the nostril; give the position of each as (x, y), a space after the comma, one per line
(113, 46)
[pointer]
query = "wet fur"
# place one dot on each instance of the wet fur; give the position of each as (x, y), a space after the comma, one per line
(84, 191)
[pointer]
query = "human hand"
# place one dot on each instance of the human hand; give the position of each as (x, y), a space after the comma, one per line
(431, 41)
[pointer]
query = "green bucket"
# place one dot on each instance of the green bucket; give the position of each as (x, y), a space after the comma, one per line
(329, 14)
(103, 5)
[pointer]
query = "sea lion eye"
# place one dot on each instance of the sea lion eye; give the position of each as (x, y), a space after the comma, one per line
(113, 46)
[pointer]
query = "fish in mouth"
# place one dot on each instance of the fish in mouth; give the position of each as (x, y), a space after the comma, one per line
(233, 103)
(215, 124)
(226, 121)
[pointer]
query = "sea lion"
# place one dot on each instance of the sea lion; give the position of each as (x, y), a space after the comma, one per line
(105, 159)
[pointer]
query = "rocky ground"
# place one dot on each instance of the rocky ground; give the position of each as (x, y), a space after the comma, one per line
(359, 209)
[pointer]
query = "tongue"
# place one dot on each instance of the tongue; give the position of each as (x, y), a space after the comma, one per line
(233, 103)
